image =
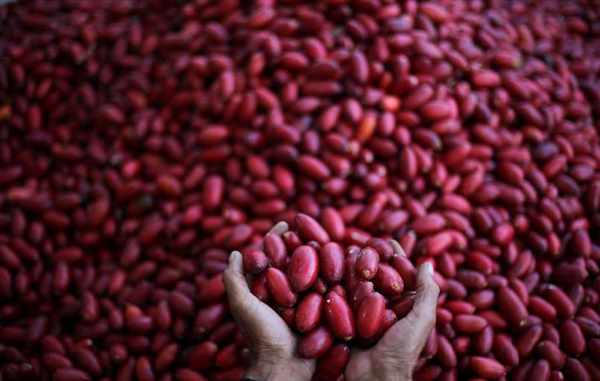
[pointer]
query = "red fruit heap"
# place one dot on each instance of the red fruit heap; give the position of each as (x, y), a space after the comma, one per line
(327, 292)
(334, 291)
(143, 140)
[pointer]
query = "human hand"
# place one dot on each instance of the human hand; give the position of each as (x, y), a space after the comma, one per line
(271, 342)
(395, 356)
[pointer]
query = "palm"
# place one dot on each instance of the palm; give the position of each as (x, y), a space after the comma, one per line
(361, 365)
(395, 355)
(268, 336)
(275, 336)
(391, 355)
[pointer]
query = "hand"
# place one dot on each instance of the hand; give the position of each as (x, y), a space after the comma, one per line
(270, 340)
(395, 356)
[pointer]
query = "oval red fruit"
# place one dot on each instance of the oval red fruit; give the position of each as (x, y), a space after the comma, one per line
(308, 313)
(339, 316)
(310, 229)
(316, 343)
(275, 250)
(388, 281)
(255, 261)
(406, 269)
(303, 268)
(333, 363)
(367, 263)
(280, 287)
(370, 314)
(332, 258)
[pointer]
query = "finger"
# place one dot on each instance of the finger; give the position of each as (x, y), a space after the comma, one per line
(236, 287)
(257, 321)
(249, 313)
(422, 316)
(279, 228)
(397, 248)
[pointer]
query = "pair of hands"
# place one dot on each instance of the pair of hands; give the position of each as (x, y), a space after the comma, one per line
(273, 344)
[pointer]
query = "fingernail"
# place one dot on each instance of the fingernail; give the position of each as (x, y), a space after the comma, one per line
(428, 268)
(232, 256)
(395, 243)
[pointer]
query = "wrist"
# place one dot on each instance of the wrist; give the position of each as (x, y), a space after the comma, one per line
(402, 374)
(382, 373)
(390, 377)
(261, 369)
(387, 377)
(407, 377)
(264, 368)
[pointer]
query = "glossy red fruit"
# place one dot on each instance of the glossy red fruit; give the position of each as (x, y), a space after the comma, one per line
(308, 313)
(549, 351)
(540, 307)
(389, 319)
(367, 263)
(333, 363)
(351, 279)
(487, 368)
(255, 261)
(288, 315)
(572, 338)
(260, 288)
(333, 223)
(469, 323)
(359, 292)
(402, 305)
(202, 356)
(383, 248)
(339, 316)
(511, 307)
(561, 301)
(310, 229)
(315, 343)
(370, 315)
(276, 252)
(303, 268)
(388, 281)
(406, 269)
(280, 287)
(505, 351)
(331, 262)
(341, 291)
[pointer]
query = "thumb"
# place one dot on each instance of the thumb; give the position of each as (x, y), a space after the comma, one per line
(236, 287)
(422, 316)
(397, 248)
(408, 336)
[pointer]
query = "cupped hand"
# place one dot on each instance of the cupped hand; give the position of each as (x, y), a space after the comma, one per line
(271, 342)
(395, 356)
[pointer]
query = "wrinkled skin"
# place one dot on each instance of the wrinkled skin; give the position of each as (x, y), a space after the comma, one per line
(274, 346)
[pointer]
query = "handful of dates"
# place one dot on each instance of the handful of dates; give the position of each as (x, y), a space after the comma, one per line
(329, 293)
